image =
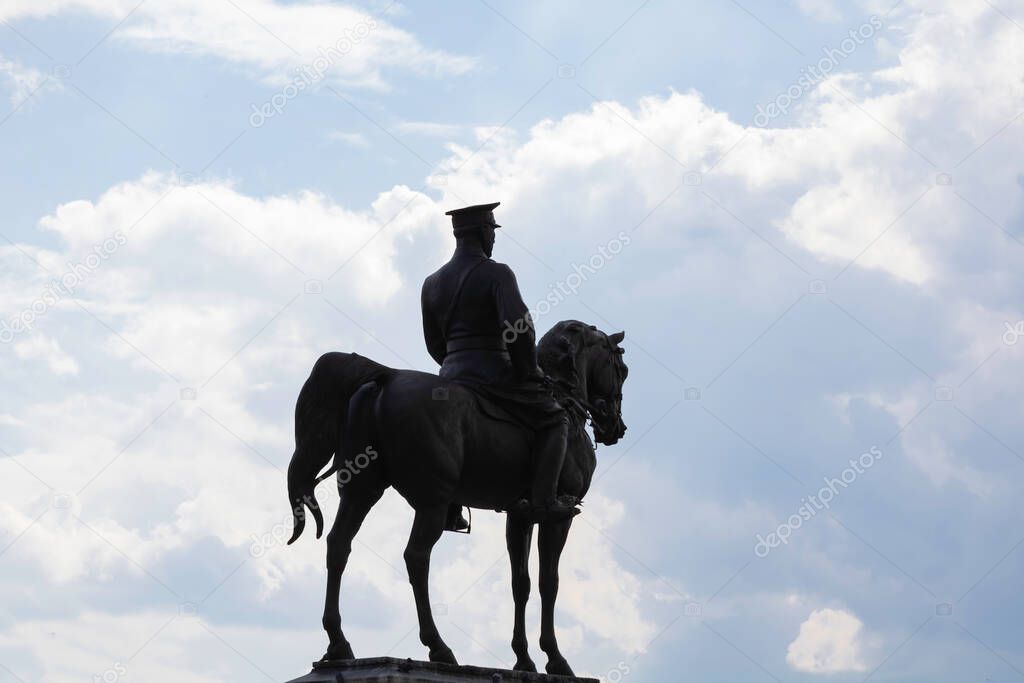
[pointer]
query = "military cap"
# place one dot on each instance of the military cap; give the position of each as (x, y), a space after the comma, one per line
(472, 217)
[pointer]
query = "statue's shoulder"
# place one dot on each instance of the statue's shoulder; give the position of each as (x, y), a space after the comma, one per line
(428, 283)
(437, 275)
(479, 270)
(430, 291)
(497, 268)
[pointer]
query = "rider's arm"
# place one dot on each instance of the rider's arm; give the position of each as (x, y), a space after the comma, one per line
(516, 324)
(436, 345)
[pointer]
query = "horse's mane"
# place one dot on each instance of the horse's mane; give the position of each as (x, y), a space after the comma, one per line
(557, 351)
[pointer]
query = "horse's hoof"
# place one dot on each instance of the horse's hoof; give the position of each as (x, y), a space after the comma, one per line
(557, 666)
(339, 651)
(443, 655)
(525, 664)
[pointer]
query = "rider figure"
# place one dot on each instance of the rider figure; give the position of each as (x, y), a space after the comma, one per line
(478, 329)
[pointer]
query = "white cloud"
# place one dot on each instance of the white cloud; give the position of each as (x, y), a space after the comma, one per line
(23, 81)
(350, 139)
(430, 129)
(848, 184)
(821, 10)
(934, 454)
(268, 37)
(830, 641)
(40, 347)
(146, 645)
(156, 215)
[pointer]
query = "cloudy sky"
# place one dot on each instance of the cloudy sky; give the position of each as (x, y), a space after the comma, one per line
(822, 239)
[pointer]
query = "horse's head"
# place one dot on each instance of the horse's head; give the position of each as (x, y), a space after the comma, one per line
(589, 363)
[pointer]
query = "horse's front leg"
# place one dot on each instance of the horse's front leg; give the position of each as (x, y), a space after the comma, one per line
(518, 538)
(426, 529)
(552, 540)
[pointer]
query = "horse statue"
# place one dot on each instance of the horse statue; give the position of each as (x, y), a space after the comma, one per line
(429, 439)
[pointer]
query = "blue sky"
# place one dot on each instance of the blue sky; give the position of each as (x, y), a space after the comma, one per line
(796, 291)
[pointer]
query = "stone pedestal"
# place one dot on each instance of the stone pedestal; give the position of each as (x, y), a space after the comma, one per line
(391, 670)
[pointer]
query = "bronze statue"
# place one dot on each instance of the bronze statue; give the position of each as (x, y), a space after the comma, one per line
(503, 421)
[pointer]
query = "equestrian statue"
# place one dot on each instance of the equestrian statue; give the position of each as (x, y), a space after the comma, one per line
(502, 426)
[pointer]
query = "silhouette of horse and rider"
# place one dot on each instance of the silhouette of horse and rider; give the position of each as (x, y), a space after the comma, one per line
(502, 426)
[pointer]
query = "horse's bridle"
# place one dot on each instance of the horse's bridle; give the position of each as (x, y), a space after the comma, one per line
(582, 406)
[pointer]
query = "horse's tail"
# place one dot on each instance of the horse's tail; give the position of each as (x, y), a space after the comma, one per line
(320, 418)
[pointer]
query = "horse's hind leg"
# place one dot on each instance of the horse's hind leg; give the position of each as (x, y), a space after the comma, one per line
(552, 540)
(426, 529)
(518, 538)
(352, 510)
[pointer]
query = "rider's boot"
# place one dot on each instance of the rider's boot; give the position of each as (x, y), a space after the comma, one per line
(456, 521)
(545, 503)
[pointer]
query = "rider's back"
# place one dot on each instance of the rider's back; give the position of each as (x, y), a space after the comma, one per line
(466, 304)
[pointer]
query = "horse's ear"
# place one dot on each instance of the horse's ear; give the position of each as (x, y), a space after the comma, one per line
(617, 337)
